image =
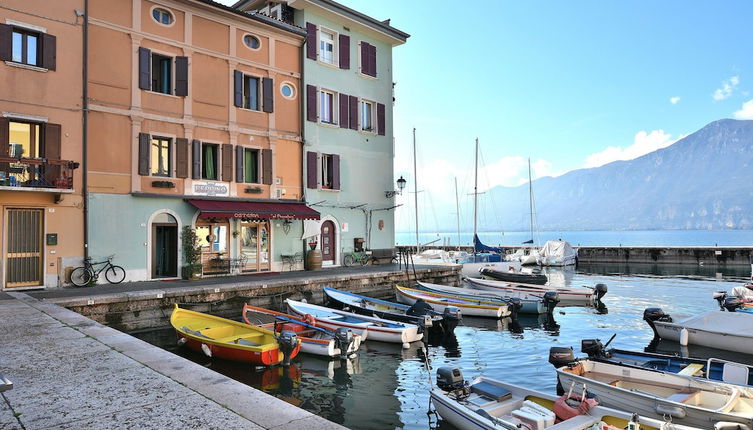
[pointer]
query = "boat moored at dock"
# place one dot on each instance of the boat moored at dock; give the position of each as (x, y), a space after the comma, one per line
(731, 331)
(567, 295)
(477, 308)
(528, 305)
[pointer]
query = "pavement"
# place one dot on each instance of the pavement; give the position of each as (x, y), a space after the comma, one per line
(69, 372)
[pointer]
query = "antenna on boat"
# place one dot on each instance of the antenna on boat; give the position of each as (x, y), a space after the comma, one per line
(415, 186)
(457, 208)
(475, 201)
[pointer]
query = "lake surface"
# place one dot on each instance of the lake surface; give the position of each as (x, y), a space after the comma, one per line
(589, 238)
(387, 387)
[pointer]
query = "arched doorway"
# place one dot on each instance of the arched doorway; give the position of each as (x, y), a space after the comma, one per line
(165, 246)
(328, 242)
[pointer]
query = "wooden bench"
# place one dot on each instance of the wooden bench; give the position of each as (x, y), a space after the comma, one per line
(384, 255)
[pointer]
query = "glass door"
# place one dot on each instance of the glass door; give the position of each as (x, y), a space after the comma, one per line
(255, 246)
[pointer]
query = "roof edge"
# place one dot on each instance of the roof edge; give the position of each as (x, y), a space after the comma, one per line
(360, 17)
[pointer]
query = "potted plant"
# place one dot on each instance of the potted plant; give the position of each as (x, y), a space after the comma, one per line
(191, 253)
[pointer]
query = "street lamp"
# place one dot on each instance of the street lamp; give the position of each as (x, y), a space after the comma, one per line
(400, 186)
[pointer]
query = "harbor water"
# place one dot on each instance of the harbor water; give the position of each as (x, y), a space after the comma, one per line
(387, 386)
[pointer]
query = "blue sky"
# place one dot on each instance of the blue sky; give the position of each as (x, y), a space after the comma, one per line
(570, 84)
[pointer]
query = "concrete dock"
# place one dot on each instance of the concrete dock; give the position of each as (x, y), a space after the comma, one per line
(71, 372)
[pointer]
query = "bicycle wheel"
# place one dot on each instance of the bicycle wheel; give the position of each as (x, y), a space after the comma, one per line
(348, 260)
(115, 274)
(364, 259)
(80, 276)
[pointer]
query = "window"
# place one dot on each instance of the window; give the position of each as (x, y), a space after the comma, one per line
(327, 107)
(209, 160)
(162, 74)
(162, 16)
(252, 42)
(161, 157)
(250, 92)
(24, 140)
(328, 171)
(327, 46)
(287, 90)
(25, 47)
(367, 116)
(251, 166)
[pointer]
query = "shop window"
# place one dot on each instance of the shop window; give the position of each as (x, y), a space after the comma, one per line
(209, 161)
(212, 238)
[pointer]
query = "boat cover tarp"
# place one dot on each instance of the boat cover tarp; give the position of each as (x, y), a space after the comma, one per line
(478, 246)
(743, 291)
(558, 249)
(732, 323)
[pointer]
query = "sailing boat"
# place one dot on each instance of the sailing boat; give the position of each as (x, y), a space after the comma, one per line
(530, 255)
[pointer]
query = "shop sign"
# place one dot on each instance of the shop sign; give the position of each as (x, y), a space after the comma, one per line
(256, 215)
(210, 189)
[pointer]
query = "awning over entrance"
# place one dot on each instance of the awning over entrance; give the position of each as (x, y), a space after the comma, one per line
(253, 210)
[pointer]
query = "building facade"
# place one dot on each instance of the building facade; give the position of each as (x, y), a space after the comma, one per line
(195, 120)
(348, 133)
(41, 135)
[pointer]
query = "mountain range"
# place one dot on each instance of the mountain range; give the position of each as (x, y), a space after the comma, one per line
(703, 181)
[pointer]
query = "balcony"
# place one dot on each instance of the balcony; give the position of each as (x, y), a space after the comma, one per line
(36, 174)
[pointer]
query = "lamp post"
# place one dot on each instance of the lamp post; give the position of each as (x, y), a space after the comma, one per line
(400, 187)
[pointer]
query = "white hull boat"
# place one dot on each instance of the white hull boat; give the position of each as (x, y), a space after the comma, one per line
(367, 327)
(568, 295)
(476, 308)
(689, 401)
(557, 253)
(731, 331)
(532, 305)
(490, 404)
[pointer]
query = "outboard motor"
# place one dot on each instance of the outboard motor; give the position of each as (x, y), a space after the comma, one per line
(343, 340)
(514, 304)
(655, 314)
(551, 299)
(561, 356)
(733, 303)
(419, 308)
(450, 379)
(719, 296)
(600, 290)
(451, 317)
(288, 342)
(592, 347)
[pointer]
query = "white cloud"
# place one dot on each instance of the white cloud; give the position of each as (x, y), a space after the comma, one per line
(746, 112)
(674, 100)
(728, 87)
(643, 143)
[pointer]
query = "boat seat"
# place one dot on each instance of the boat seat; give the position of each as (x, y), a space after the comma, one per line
(578, 421)
(491, 391)
(733, 373)
(195, 333)
(691, 369)
(681, 397)
(241, 341)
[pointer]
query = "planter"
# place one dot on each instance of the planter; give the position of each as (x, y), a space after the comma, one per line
(192, 272)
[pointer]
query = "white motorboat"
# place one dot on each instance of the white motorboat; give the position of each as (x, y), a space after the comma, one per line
(533, 305)
(690, 401)
(367, 327)
(489, 404)
(567, 295)
(557, 253)
(731, 331)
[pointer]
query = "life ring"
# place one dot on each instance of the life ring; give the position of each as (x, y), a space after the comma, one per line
(309, 319)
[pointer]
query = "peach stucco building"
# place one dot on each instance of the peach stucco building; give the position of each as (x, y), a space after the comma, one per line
(194, 119)
(41, 135)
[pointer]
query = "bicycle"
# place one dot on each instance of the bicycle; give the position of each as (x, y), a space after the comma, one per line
(355, 257)
(81, 276)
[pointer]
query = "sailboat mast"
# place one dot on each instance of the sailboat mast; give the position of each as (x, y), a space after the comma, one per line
(457, 208)
(530, 196)
(415, 187)
(475, 199)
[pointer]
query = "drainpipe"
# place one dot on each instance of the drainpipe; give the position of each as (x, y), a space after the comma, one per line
(301, 93)
(85, 126)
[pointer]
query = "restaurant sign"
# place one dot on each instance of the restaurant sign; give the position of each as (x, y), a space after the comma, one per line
(256, 215)
(210, 189)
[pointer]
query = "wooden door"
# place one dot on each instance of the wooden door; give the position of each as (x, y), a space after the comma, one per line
(328, 241)
(25, 250)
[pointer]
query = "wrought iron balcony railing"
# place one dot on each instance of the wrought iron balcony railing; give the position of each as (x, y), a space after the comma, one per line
(37, 173)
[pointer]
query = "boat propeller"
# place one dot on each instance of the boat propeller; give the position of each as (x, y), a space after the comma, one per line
(343, 340)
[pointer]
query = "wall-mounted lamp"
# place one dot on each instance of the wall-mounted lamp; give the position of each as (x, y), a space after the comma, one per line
(400, 187)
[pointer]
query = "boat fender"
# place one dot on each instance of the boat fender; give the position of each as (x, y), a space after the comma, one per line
(674, 411)
(726, 425)
(207, 351)
(684, 337)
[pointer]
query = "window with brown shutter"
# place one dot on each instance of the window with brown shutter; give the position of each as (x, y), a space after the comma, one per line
(52, 150)
(344, 112)
(368, 59)
(237, 88)
(353, 109)
(227, 162)
(268, 96)
(145, 69)
(344, 50)
(266, 166)
(181, 76)
(27, 46)
(4, 143)
(239, 164)
(335, 172)
(311, 169)
(372, 61)
(311, 102)
(181, 157)
(6, 42)
(144, 146)
(49, 51)
(311, 41)
(381, 126)
(196, 159)
(330, 172)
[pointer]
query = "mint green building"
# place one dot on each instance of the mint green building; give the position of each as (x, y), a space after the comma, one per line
(348, 123)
